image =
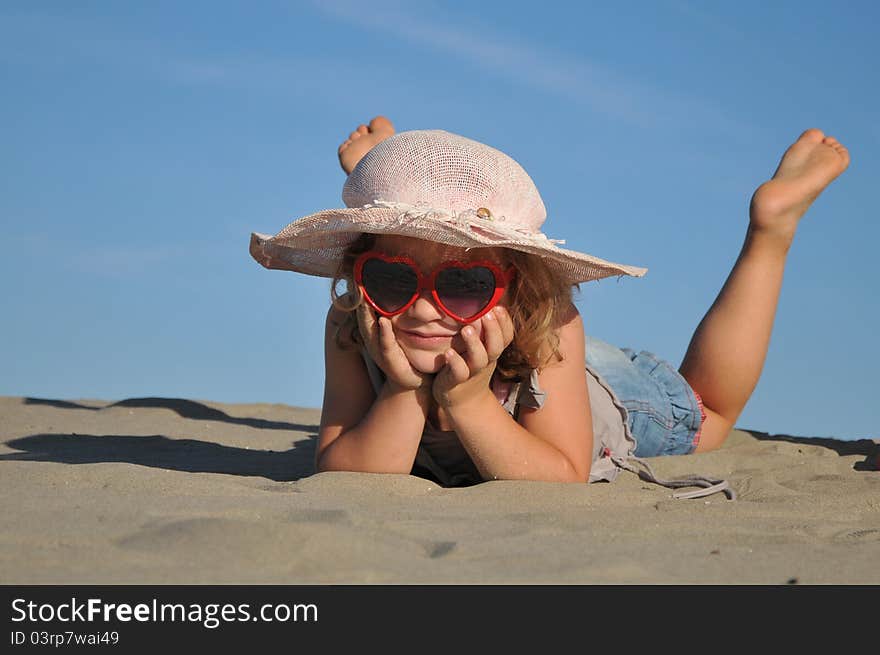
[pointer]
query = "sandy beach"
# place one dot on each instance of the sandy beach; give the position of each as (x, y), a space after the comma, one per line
(161, 491)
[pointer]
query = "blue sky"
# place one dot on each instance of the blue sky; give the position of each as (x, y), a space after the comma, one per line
(144, 142)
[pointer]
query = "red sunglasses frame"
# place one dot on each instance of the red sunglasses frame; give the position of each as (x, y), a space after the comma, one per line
(426, 283)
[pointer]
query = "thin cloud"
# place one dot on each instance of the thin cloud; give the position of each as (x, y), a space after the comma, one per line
(55, 41)
(574, 79)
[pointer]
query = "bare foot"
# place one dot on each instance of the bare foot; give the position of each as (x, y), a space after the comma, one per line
(362, 140)
(809, 165)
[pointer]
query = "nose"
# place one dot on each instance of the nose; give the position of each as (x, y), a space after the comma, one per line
(424, 308)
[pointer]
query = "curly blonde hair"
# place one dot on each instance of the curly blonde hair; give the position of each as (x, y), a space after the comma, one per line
(539, 303)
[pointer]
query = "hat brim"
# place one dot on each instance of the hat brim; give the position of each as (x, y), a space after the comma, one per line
(314, 245)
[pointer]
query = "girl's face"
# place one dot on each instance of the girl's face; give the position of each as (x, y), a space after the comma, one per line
(424, 331)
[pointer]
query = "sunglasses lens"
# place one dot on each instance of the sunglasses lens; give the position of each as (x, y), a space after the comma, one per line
(390, 285)
(465, 291)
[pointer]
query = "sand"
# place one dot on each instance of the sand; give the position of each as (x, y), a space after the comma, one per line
(161, 491)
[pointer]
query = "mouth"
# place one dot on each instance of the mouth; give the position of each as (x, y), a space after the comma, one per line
(425, 340)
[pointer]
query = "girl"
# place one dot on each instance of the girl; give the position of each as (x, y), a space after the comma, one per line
(457, 353)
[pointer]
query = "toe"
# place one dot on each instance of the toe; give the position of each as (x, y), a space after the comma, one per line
(839, 148)
(381, 124)
(812, 135)
(831, 142)
(354, 135)
(363, 129)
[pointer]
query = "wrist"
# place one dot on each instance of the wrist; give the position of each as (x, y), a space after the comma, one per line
(460, 404)
(422, 394)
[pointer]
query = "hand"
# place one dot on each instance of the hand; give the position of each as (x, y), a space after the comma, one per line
(465, 377)
(381, 344)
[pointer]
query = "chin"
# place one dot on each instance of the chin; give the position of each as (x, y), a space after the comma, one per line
(425, 361)
(428, 364)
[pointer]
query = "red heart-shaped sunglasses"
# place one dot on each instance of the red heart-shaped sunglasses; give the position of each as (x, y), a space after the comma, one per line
(463, 290)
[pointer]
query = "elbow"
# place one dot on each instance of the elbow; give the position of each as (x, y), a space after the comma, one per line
(329, 460)
(576, 473)
(323, 460)
(572, 469)
(584, 472)
(565, 471)
(323, 465)
(579, 476)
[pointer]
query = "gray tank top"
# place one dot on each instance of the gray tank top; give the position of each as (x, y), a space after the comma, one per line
(441, 454)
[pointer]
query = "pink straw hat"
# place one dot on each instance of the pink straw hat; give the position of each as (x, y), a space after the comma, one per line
(437, 186)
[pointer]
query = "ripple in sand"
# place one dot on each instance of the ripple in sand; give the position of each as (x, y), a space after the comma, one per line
(207, 535)
(857, 536)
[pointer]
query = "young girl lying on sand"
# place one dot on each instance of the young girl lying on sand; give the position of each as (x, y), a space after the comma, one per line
(457, 353)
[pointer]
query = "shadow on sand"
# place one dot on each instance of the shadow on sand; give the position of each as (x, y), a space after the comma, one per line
(866, 447)
(184, 408)
(157, 451)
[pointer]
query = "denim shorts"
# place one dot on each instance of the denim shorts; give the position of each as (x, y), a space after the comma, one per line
(663, 412)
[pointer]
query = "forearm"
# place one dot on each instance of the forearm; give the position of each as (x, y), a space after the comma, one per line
(386, 439)
(502, 449)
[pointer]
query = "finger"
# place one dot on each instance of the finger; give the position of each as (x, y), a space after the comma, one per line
(505, 322)
(493, 338)
(456, 370)
(367, 324)
(387, 340)
(391, 353)
(389, 346)
(475, 353)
